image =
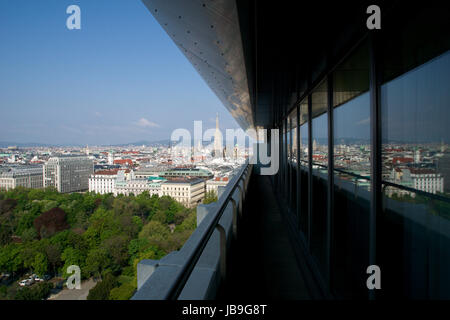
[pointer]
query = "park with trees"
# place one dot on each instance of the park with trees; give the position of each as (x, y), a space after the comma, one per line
(44, 232)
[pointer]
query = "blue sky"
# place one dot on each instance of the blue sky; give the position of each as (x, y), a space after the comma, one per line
(119, 79)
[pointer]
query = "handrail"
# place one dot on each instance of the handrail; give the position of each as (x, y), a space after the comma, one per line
(393, 184)
(185, 271)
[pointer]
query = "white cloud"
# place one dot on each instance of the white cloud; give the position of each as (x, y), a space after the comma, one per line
(98, 114)
(363, 121)
(146, 124)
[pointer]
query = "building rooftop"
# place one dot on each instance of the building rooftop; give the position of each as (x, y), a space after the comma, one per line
(190, 181)
(18, 171)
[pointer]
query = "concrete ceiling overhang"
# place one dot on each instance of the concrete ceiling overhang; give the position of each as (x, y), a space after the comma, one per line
(208, 34)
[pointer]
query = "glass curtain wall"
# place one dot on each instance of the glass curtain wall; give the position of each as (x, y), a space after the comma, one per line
(304, 167)
(411, 85)
(414, 229)
(293, 159)
(288, 161)
(351, 208)
(319, 230)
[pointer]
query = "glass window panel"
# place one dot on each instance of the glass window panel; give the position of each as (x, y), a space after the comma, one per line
(319, 100)
(416, 135)
(288, 139)
(304, 167)
(420, 36)
(351, 125)
(320, 127)
(413, 229)
(350, 242)
(285, 159)
(352, 136)
(293, 159)
(304, 133)
(293, 126)
(288, 162)
(414, 251)
(351, 78)
(320, 174)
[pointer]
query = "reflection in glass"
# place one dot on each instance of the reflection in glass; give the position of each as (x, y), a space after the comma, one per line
(413, 233)
(350, 243)
(351, 77)
(304, 133)
(320, 174)
(351, 114)
(304, 167)
(416, 134)
(288, 139)
(352, 137)
(414, 245)
(320, 128)
(351, 126)
(293, 159)
(293, 127)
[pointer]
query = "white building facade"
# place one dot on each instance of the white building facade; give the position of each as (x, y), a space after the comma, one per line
(427, 180)
(187, 192)
(102, 183)
(24, 177)
(214, 184)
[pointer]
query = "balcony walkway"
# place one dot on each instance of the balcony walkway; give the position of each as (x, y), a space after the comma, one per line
(263, 264)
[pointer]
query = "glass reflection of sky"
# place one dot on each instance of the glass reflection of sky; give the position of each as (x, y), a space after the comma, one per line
(416, 105)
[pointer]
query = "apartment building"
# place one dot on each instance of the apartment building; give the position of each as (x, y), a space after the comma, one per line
(68, 173)
(103, 181)
(189, 192)
(137, 186)
(214, 184)
(28, 177)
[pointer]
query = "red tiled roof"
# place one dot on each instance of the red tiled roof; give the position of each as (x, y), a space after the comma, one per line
(221, 179)
(111, 172)
(124, 161)
(396, 160)
(422, 171)
(107, 172)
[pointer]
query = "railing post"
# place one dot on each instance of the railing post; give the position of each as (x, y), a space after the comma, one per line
(240, 198)
(223, 251)
(234, 218)
(243, 188)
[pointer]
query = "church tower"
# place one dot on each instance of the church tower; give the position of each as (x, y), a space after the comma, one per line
(217, 139)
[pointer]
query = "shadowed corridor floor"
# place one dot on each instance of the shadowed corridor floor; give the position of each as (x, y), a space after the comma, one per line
(262, 264)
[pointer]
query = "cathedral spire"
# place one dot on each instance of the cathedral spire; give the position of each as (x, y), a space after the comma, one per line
(217, 139)
(217, 121)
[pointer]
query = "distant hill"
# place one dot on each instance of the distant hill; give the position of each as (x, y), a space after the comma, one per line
(6, 144)
(143, 143)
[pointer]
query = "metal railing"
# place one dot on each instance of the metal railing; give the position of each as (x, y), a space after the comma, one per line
(171, 284)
